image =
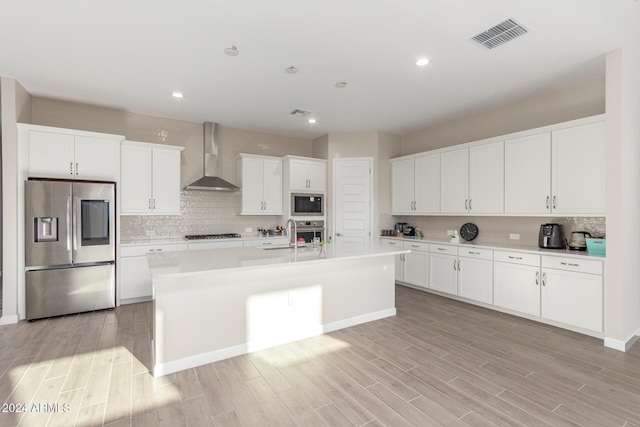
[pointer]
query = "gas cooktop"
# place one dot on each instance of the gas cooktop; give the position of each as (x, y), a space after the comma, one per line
(212, 236)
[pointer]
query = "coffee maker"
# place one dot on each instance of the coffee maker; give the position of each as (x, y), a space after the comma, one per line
(551, 236)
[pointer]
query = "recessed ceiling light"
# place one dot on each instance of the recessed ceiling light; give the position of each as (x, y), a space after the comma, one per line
(177, 95)
(340, 85)
(312, 121)
(422, 62)
(232, 51)
(291, 70)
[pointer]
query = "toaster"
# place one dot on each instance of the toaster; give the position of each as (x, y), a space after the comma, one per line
(551, 236)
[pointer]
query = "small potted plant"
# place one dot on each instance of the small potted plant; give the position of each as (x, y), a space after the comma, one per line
(323, 243)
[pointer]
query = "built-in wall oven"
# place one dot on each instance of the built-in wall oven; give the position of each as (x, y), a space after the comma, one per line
(307, 204)
(310, 231)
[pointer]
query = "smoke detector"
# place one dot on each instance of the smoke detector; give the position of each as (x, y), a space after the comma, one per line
(500, 34)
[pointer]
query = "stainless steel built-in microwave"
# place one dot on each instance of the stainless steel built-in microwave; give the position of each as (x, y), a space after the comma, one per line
(307, 204)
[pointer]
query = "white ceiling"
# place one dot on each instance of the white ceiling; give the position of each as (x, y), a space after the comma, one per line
(132, 54)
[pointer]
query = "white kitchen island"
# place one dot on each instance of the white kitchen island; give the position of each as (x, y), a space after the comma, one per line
(215, 304)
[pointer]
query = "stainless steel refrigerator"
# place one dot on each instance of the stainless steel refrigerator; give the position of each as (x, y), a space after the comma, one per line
(69, 247)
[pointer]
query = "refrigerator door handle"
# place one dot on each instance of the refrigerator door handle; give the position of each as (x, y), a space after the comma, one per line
(69, 229)
(74, 216)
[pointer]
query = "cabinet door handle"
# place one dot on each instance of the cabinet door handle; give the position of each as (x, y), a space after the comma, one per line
(154, 204)
(537, 278)
(70, 168)
(544, 279)
(554, 205)
(474, 253)
(150, 208)
(454, 264)
(76, 168)
(470, 205)
(466, 204)
(547, 202)
(441, 249)
(391, 243)
(514, 257)
(459, 265)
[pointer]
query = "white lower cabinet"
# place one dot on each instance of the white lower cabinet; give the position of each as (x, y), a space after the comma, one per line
(572, 292)
(135, 278)
(516, 283)
(566, 291)
(475, 274)
(400, 259)
(443, 268)
(416, 264)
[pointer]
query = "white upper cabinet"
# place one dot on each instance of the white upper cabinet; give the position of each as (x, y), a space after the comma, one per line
(70, 154)
(486, 178)
(558, 172)
(527, 174)
(306, 174)
(472, 180)
(415, 185)
(150, 179)
(454, 181)
(578, 169)
(260, 180)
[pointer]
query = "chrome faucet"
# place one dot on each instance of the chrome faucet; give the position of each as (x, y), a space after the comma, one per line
(293, 239)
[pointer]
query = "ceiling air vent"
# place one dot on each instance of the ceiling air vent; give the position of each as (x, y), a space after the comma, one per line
(500, 34)
(300, 113)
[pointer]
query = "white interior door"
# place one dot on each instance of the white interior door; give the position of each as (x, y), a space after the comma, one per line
(352, 180)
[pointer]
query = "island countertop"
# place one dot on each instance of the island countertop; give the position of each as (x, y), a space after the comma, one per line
(186, 263)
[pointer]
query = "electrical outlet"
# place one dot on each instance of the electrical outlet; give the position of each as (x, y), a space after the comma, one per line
(151, 232)
(514, 236)
(248, 230)
(450, 232)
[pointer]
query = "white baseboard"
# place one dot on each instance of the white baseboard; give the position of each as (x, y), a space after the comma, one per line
(622, 345)
(9, 320)
(228, 352)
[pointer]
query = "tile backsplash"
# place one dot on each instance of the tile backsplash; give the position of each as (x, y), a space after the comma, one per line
(496, 230)
(203, 212)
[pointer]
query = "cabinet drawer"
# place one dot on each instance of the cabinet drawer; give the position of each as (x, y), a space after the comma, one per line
(417, 246)
(265, 242)
(517, 258)
(443, 249)
(476, 253)
(198, 246)
(391, 242)
(572, 264)
(140, 250)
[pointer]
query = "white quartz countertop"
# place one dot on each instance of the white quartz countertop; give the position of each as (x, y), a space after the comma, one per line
(504, 247)
(193, 262)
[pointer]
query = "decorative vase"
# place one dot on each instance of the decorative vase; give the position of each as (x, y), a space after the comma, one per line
(323, 252)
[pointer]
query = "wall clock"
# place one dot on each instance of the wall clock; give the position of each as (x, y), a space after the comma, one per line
(469, 231)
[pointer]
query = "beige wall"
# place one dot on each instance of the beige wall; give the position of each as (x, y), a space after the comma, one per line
(202, 211)
(582, 100)
(16, 107)
(380, 147)
(578, 101)
(140, 127)
(622, 290)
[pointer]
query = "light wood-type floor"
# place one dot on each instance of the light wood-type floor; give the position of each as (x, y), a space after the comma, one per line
(438, 362)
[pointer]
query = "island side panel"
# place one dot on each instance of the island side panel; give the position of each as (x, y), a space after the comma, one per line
(204, 317)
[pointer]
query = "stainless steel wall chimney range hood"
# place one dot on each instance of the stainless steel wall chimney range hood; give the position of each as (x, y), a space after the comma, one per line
(211, 164)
